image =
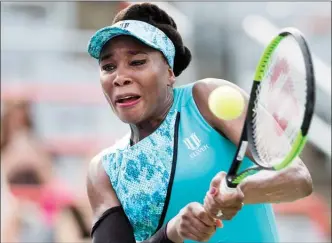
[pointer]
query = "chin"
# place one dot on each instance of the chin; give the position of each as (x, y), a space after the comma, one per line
(128, 120)
(133, 115)
(131, 118)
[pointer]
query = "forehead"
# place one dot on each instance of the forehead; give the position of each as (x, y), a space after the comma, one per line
(124, 42)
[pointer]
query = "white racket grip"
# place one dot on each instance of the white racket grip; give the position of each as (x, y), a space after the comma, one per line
(224, 189)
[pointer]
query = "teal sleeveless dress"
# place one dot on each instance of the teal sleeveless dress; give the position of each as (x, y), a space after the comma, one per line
(155, 178)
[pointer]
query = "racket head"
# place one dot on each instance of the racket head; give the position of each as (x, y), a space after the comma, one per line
(282, 101)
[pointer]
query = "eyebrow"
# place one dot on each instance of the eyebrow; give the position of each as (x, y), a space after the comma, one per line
(130, 52)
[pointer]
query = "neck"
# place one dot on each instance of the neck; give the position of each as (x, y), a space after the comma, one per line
(145, 128)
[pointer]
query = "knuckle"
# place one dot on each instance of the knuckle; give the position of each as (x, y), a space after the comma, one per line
(189, 207)
(192, 206)
(182, 225)
(184, 217)
(183, 210)
(183, 234)
(201, 215)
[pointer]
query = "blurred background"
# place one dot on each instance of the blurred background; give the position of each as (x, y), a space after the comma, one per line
(54, 117)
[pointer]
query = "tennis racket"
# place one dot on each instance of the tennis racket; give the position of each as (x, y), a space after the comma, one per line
(280, 108)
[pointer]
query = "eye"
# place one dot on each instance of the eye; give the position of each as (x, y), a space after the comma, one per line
(138, 62)
(108, 67)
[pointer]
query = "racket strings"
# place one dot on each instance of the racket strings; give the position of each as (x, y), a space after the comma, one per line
(280, 104)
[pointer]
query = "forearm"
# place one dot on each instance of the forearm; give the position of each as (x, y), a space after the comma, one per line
(287, 185)
(114, 227)
(159, 237)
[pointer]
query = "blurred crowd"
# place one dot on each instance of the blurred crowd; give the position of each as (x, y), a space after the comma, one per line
(36, 206)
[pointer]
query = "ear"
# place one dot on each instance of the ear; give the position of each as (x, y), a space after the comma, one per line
(171, 77)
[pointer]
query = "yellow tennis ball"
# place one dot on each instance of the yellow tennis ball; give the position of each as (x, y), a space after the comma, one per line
(226, 103)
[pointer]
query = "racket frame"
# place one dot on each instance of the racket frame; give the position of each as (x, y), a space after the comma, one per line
(246, 139)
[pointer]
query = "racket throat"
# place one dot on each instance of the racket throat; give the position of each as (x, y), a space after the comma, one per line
(230, 181)
(240, 152)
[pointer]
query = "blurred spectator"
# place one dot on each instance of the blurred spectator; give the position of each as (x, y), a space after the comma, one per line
(16, 119)
(25, 159)
(74, 222)
(9, 214)
(25, 162)
(54, 215)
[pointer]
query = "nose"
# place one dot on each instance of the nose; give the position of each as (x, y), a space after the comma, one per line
(121, 80)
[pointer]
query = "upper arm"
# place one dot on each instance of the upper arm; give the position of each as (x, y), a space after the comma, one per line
(99, 189)
(201, 92)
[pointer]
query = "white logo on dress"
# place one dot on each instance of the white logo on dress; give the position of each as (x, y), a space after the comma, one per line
(193, 143)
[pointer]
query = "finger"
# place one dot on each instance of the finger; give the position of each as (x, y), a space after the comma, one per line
(189, 236)
(200, 213)
(187, 230)
(211, 205)
(228, 214)
(217, 179)
(228, 211)
(195, 232)
(219, 223)
(225, 200)
(213, 191)
(213, 208)
(236, 207)
(202, 227)
(238, 197)
(207, 204)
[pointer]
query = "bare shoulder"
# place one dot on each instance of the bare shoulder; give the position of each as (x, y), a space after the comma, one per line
(215, 81)
(207, 85)
(96, 170)
(201, 92)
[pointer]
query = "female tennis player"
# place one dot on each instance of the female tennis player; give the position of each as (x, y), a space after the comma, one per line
(150, 185)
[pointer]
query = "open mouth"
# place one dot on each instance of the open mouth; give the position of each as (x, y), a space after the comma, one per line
(128, 99)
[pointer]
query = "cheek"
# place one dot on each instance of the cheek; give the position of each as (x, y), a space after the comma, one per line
(106, 86)
(152, 85)
(106, 81)
(156, 93)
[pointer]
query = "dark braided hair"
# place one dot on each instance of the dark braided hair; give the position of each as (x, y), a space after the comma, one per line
(157, 17)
